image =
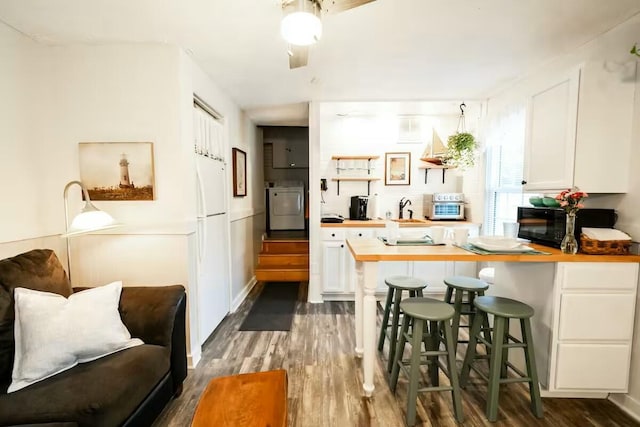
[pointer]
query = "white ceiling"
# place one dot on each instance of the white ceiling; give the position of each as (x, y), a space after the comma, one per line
(385, 50)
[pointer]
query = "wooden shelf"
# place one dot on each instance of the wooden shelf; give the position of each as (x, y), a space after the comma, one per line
(354, 178)
(355, 157)
(426, 166)
(367, 178)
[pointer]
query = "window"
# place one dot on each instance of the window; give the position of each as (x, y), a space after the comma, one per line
(505, 165)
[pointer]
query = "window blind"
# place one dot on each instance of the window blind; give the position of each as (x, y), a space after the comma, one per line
(505, 168)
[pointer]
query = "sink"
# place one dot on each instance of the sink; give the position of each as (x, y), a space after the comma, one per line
(414, 220)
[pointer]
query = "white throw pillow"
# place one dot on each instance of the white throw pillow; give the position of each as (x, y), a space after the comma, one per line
(53, 333)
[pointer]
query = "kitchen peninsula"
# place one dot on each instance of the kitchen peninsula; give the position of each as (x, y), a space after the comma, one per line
(338, 266)
(585, 307)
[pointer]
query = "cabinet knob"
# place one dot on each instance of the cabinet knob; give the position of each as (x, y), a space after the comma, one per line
(523, 182)
(333, 234)
(359, 234)
(342, 246)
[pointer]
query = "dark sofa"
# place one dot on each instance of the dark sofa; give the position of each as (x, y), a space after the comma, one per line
(127, 388)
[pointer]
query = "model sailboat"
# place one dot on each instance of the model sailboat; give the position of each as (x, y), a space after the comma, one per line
(434, 152)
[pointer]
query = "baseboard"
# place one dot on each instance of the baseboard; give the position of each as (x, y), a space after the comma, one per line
(628, 404)
(194, 359)
(243, 294)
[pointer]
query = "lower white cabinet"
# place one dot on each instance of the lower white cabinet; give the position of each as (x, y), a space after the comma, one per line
(334, 271)
(593, 367)
(592, 335)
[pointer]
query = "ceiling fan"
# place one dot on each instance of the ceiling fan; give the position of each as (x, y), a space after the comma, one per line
(301, 25)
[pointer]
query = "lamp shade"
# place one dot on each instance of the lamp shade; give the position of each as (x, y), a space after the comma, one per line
(90, 219)
(302, 27)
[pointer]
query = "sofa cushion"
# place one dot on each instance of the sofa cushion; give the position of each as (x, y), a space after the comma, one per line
(54, 333)
(38, 269)
(103, 392)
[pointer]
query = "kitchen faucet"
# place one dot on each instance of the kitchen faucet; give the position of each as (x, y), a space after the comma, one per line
(403, 202)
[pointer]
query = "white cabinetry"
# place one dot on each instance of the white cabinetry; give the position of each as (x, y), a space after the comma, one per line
(578, 125)
(592, 336)
(334, 261)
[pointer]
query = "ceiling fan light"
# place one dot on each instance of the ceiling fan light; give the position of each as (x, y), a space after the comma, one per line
(301, 28)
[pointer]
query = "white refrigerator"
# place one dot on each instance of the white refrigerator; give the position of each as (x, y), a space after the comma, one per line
(212, 236)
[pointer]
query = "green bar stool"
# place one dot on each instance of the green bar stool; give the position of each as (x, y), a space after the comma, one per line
(457, 287)
(430, 322)
(503, 309)
(396, 285)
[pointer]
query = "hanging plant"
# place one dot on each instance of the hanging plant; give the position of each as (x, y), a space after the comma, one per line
(461, 148)
(634, 50)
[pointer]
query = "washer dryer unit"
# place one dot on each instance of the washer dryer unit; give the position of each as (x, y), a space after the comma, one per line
(286, 206)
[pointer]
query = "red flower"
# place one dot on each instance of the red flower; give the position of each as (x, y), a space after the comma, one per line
(570, 199)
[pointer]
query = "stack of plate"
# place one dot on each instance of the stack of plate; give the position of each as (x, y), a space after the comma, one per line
(500, 244)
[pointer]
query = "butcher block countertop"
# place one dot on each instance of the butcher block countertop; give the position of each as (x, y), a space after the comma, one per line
(371, 249)
(403, 223)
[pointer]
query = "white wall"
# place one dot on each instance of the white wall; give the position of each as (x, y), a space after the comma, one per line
(19, 181)
(612, 47)
(376, 133)
(56, 97)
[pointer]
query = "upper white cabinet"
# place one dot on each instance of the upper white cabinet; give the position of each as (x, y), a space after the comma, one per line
(579, 130)
(290, 154)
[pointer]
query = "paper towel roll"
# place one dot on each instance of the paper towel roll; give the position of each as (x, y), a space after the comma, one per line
(374, 211)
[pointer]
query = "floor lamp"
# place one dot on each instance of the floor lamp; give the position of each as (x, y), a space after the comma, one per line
(89, 219)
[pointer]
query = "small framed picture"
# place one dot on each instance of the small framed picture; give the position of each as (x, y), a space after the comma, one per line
(397, 168)
(239, 173)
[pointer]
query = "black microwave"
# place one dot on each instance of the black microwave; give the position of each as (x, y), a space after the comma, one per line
(546, 226)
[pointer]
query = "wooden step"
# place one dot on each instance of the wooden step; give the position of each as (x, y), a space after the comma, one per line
(282, 273)
(300, 260)
(285, 247)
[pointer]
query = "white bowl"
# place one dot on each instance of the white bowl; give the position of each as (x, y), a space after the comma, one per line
(495, 243)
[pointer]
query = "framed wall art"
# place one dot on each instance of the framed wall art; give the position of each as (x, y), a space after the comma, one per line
(239, 173)
(117, 171)
(397, 168)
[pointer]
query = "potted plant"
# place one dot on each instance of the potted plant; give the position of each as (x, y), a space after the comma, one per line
(461, 148)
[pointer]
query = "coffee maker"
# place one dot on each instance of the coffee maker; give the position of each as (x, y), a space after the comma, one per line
(358, 208)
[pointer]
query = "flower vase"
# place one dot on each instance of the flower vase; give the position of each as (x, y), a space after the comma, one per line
(569, 243)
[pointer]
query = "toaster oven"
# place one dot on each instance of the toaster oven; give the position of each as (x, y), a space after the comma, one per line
(443, 206)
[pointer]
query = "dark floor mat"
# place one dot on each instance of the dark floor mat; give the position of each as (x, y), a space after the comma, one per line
(273, 309)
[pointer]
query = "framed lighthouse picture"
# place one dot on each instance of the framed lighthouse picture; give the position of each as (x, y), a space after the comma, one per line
(117, 170)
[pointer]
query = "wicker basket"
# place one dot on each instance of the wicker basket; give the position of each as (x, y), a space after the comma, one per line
(604, 247)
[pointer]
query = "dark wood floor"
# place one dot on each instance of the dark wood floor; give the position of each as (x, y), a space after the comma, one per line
(325, 385)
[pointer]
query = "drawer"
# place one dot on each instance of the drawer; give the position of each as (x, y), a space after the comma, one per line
(354, 233)
(333, 233)
(593, 367)
(598, 275)
(597, 317)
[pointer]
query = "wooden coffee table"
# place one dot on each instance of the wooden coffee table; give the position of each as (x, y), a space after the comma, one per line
(246, 400)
